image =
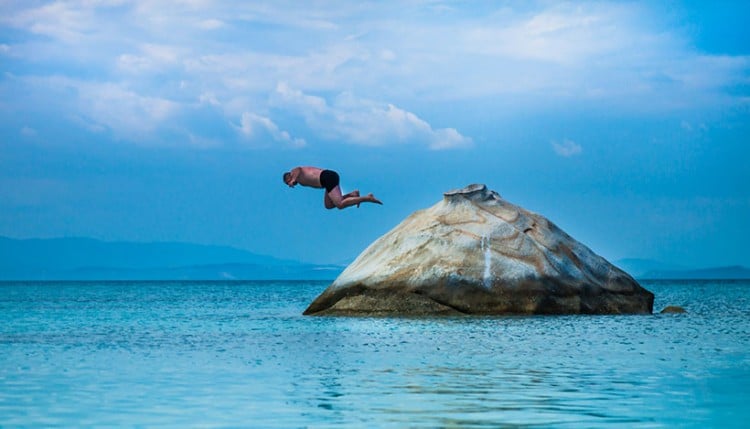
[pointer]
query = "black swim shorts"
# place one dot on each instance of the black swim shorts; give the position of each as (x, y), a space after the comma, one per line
(329, 179)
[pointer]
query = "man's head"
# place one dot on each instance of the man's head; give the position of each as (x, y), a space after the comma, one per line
(288, 178)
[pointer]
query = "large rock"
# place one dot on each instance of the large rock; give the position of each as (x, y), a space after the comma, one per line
(475, 253)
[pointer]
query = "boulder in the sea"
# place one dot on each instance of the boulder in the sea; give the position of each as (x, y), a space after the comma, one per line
(673, 309)
(475, 253)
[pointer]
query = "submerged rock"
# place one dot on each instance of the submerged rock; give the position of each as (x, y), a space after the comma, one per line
(475, 253)
(673, 309)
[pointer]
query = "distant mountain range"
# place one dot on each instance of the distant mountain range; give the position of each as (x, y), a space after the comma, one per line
(89, 259)
(650, 269)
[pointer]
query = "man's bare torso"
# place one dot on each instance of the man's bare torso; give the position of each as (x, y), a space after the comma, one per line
(309, 176)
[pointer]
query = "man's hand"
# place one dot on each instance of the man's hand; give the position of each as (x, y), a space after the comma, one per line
(294, 174)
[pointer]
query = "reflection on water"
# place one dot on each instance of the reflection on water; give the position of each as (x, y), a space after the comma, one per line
(241, 354)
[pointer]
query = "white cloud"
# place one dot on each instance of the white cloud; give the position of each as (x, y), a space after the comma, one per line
(99, 106)
(693, 128)
(122, 109)
(209, 98)
(567, 148)
(202, 142)
(152, 58)
(387, 55)
(28, 132)
(365, 122)
(210, 24)
(61, 20)
(559, 35)
(254, 126)
(297, 100)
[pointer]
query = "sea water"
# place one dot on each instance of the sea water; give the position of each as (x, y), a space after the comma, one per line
(240, 354)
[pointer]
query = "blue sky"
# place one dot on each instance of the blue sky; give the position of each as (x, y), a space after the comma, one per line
(626, 123)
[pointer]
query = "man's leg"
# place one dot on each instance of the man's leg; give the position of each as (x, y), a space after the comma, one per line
(330, 205)
(327, 201)
(341, 202)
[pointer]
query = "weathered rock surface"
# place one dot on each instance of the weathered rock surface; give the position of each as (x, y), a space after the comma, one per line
(475, 253)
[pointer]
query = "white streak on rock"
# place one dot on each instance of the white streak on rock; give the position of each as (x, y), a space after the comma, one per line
(487, 277)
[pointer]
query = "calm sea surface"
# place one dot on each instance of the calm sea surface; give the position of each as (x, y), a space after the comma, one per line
(241, 354)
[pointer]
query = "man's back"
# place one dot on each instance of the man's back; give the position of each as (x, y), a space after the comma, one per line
(309, 176)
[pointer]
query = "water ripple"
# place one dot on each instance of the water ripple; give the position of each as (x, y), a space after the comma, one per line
(237, 354)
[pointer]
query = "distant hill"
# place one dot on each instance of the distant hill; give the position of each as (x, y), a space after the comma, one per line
(717, 273)
(638, 268)
(89, 259)
(650, 269)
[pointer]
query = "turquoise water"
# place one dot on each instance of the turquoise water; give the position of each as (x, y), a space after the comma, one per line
(240, 354)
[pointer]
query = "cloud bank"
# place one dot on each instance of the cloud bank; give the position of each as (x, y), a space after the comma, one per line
(365, 122)
(253, 124)
(135, 68)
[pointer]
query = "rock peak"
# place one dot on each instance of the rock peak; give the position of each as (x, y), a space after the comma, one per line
(476, 253)
(474, 192)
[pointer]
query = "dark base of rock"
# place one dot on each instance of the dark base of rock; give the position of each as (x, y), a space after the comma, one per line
(385, 303)
(361, 301)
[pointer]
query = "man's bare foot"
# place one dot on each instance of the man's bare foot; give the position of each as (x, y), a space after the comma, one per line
(371, 198)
